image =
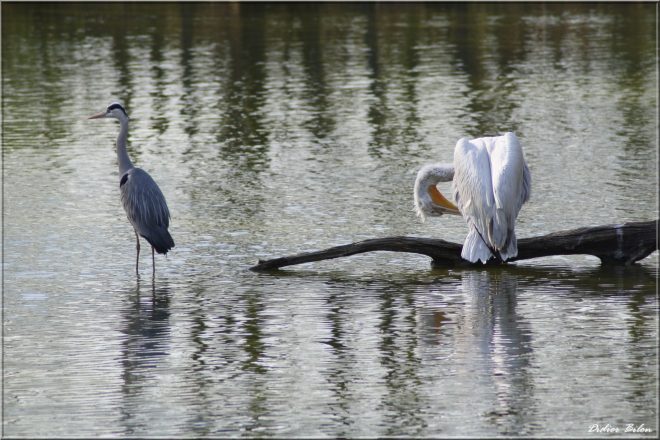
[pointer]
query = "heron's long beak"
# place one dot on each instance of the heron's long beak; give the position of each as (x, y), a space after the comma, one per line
(98, 115)
(442, 201)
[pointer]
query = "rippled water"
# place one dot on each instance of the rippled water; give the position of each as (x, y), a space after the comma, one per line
(275, 129)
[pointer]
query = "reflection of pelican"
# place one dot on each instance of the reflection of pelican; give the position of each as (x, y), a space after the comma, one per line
(491, 181)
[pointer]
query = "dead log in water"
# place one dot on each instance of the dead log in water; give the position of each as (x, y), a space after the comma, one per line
(622, 244)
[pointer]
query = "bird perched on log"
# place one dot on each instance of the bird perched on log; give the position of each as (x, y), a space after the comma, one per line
(490, 181)
(141, 197)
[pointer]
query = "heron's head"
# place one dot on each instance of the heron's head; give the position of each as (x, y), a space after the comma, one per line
(428, 199)
(114, 110)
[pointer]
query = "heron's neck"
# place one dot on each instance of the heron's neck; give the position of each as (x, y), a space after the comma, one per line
(124, 161)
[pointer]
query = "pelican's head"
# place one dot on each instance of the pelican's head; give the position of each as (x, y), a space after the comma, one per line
(428, 200)
(114, 110)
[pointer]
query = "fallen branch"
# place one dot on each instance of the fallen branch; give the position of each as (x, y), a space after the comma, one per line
(613, 244)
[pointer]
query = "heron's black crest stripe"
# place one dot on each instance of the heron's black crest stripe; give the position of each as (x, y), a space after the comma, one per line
(123, 180)
(116, 105)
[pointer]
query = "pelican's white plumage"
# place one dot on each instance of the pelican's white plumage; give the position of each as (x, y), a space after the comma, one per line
(491, 181)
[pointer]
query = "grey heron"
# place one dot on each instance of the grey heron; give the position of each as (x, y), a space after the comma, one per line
(141, 197)
(491, 181)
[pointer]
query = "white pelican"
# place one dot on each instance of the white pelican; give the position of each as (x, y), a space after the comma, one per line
(491, 182)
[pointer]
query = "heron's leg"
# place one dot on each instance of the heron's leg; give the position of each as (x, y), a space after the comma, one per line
(137, 246)
(153, 263)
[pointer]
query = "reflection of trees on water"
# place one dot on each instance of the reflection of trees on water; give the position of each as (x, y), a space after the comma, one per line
(227, 371)
(190, 104)
(317, 91)
(232, 43)
(388, 47)
(640, 366)
(159, 100)
(339, 375)
(403, 399)
(223, 95)
(464, 328)
(253, 347)
(252, 331)
(200, 373)
(487, 50)
(124, 87)
(635, 102)
(241, 133)
(398, 395)
(377, 86)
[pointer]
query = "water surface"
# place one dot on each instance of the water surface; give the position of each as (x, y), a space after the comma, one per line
(276, 129)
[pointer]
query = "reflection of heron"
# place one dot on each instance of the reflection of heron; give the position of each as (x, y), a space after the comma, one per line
(491, 182)
(145, 346)
(143, 201)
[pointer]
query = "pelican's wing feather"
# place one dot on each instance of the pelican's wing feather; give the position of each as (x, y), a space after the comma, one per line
(474, 194)
(511, 188)
(526, 187)
(511, 178)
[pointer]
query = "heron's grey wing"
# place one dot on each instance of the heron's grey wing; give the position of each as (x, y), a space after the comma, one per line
(146, 208)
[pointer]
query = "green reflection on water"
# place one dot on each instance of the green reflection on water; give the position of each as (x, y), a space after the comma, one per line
(487, 43)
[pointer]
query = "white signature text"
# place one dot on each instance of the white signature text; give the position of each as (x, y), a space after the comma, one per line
(630, 427)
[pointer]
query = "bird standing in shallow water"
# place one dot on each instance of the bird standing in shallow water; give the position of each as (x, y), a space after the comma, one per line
(143, 201)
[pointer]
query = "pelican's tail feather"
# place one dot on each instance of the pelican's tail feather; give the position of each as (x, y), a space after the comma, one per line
(510, 249)
(474, 247)
(498, 233)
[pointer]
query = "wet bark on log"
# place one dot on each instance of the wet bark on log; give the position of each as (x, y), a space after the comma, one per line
(621, 244)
